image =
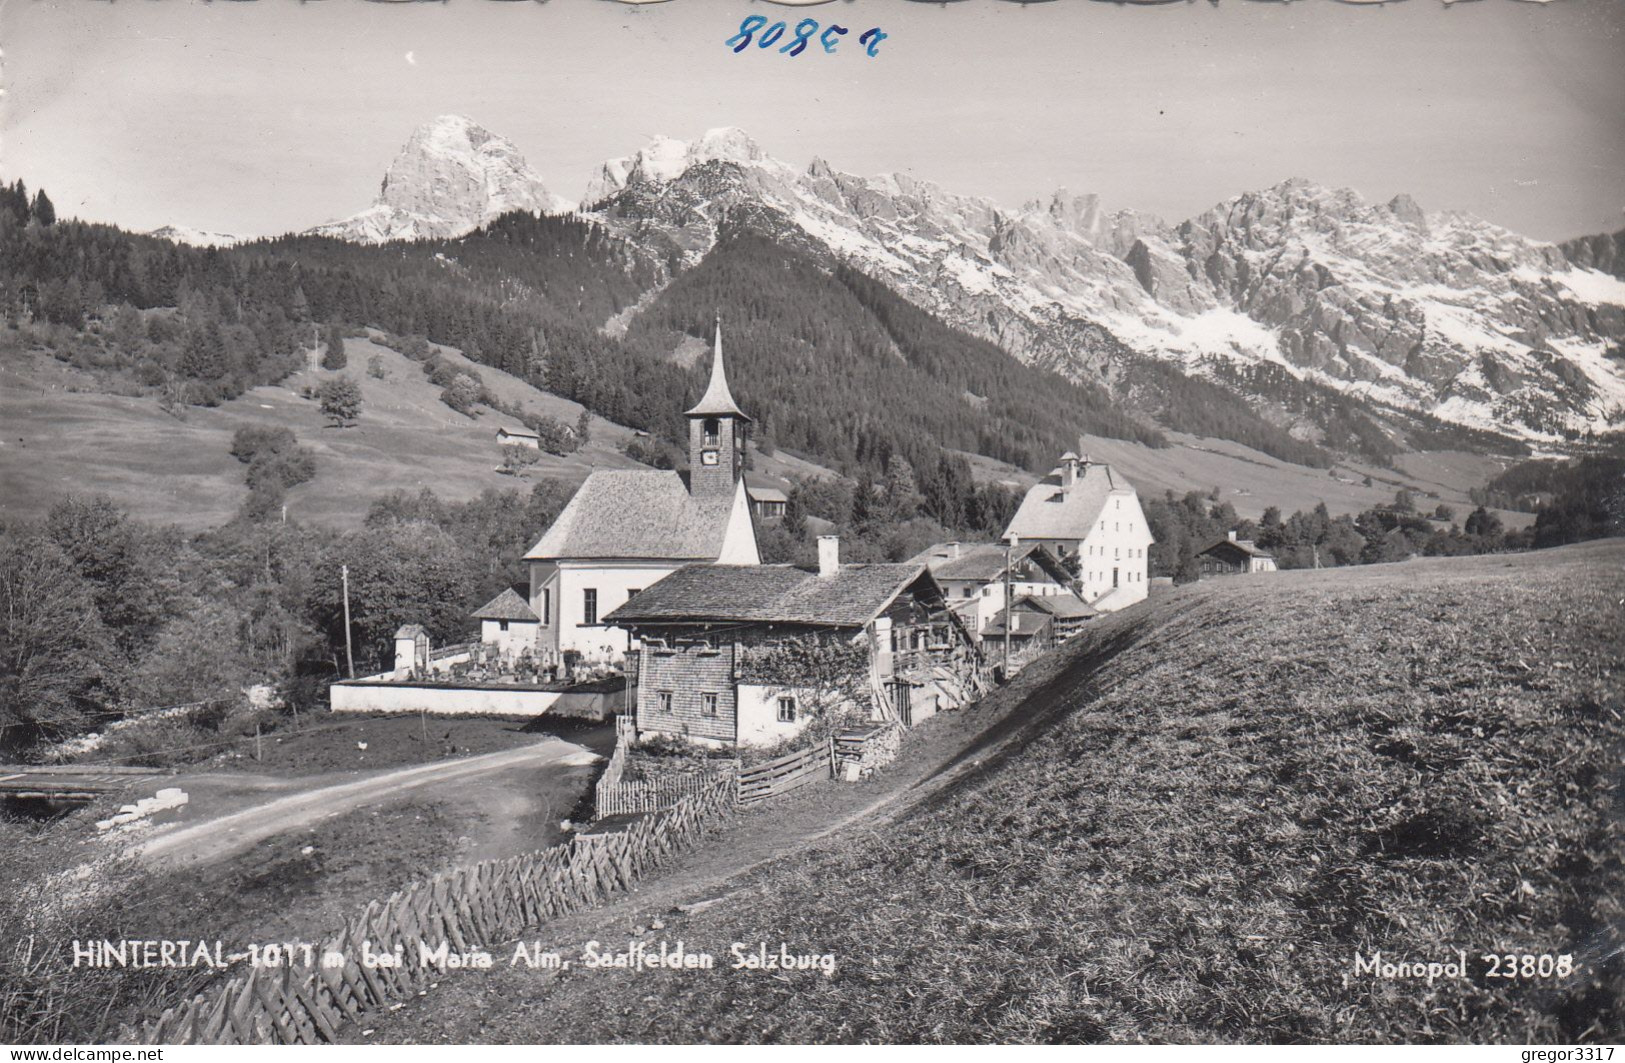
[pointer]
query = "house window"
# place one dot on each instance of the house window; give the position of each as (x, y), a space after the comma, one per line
(502, 625)
(589, 605)
(633, 592)
(708, 704)
(965, 593)
(787, 710)
(713, 432)
(664, 702)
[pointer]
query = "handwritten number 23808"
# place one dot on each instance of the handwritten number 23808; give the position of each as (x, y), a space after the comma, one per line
(869, 39)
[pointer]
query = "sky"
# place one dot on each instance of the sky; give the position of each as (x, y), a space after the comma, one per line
(256, 118)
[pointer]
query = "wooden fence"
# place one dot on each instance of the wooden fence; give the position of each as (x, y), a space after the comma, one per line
(650, 795)
(789, 772)
(485, 904)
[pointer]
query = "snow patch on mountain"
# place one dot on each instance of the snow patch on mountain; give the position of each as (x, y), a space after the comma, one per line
(1384, 301)
(184, 234)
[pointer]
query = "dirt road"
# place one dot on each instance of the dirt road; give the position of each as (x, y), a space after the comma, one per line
(223, 836)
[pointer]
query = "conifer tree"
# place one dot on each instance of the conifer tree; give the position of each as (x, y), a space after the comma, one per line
(333, 356)
(44, 212)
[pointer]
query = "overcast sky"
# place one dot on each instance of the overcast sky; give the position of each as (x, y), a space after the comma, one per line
(258, 118)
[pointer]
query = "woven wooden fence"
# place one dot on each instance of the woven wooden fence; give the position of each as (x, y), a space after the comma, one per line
(476, 906)
(789, 772)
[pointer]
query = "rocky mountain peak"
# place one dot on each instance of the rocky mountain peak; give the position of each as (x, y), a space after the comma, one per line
(451, 177)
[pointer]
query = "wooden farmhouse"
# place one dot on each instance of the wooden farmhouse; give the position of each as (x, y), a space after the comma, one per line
(624, 530)
(1091, 518)
(750, 655)
(518, 437)
(972, 576)
(1231, 556)
(768, 500)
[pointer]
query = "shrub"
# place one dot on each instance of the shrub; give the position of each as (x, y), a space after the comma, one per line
(341, 400)
(463, 393)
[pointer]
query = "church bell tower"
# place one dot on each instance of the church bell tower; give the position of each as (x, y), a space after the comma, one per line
(716, 435)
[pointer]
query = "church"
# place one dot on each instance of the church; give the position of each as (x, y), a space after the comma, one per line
(624, 530)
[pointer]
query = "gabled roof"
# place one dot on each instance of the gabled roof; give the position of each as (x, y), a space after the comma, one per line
(1060, 606)
(509, 605)
(637, 513)
(763, 489)
(984, 562)
(717, 400)
(1246, 546)
(525, 432)
(1051, 511)
(852, 597)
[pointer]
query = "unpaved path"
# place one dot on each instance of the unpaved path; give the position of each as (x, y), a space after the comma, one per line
(223, 836)
(939, 757)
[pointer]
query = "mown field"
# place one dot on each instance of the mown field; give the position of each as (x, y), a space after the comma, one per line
(1222, 798)
(64, 434)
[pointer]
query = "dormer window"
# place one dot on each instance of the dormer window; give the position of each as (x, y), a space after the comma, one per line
(713, 432)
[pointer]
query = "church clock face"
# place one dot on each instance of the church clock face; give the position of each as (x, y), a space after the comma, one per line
(708, 457)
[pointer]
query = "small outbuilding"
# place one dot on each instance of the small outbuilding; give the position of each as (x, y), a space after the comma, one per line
(508, 622)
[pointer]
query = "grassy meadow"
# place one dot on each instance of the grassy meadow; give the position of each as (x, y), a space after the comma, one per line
(1219, 799)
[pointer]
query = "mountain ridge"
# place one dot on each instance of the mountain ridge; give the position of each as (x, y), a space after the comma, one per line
(1408, 315)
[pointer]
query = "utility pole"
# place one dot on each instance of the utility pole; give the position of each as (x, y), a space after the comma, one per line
(1009, 614)
(349, 650)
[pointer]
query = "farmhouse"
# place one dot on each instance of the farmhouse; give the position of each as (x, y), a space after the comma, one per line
(518, 437)
(623, 531)
(768, 501)
(750, 655)
(972, 575)
(1232, 556)
(1092, 519)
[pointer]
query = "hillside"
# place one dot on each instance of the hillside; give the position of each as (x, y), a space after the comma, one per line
(1252, 481)
(1217, 800)
(66, 434)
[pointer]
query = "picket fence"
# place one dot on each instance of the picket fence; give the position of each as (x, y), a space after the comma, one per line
(483, 904)
(650, 795)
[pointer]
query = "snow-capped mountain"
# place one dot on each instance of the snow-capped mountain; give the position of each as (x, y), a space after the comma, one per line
(1438, 313)
(182, 234)
(451, 178)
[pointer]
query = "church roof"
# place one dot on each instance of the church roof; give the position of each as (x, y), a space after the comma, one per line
(637, 513)
(1050, 511)
(509, 605)
(717, 400)
(852, 597)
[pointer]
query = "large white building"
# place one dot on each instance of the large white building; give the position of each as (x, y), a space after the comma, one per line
(624, 530)
(1091, 518)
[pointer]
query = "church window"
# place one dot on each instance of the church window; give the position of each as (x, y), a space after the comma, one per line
(589, 605)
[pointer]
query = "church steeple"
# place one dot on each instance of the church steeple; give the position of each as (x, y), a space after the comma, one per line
(716, 434)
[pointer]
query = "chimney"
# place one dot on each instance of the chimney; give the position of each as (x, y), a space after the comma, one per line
(1069, 469)
(953, 550)
(1232, 535)
(829, 555)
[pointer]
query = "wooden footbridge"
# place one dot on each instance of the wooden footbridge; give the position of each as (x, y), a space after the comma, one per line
(68, 782)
